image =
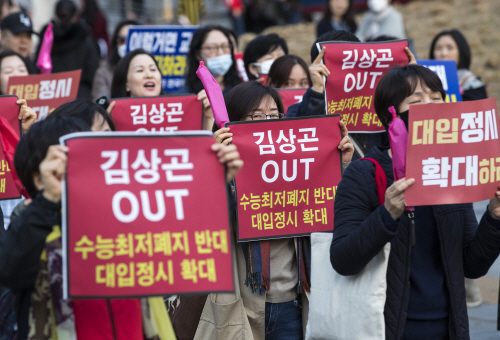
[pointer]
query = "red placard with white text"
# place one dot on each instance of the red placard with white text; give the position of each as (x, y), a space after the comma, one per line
(46, 92)
(240, 66)
(356, 69)
(290, 97)
(10, 112)
(453, 153)
(158, 114)
(155, 228)
(288, 183)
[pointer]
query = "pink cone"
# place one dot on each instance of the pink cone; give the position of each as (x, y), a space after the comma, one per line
(44, 62)
(214, 94)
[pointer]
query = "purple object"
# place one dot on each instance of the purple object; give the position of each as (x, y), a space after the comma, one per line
(214, 94)
(398, 139)
(44, 62)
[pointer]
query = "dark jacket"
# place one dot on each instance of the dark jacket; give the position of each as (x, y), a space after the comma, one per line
(312, 104)
(20, 249)
(360, 234)
(74, 49)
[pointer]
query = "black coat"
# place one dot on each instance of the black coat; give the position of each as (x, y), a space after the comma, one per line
(360, 234)
(20, 249)
(74, 49)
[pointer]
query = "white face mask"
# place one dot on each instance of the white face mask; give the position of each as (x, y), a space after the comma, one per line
(377, 6)
(219, 65)
(265, 66)
(122, 50)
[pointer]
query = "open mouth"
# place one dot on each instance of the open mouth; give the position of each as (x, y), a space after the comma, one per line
(150, 85)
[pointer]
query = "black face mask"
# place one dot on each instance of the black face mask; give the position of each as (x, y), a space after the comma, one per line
(404, 118)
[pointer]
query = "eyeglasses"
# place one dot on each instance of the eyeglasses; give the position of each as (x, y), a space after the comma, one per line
(261, 116)
(213, 49)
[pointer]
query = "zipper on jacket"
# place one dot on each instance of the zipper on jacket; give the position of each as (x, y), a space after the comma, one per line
(410, 243)
(447, 275)
(411, 217)
(111, 318)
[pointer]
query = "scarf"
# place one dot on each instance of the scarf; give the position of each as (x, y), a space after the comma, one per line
(258, 265)
(51, 317)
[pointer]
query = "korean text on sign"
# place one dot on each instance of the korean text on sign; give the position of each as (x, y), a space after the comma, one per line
(148, 234)
(9, 116)
(453, 152)
(158, 114)
(169, 45)
(46, 92)
(356, 69)
(289, 187)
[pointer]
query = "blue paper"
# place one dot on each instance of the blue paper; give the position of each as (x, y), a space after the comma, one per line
(447, 72)
(169, 45)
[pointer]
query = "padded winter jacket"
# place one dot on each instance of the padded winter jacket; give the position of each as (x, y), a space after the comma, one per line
(359, 234)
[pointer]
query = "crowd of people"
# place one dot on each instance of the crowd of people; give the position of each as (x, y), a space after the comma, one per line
(434, 254)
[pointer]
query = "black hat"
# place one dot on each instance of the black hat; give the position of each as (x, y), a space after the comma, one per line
(17, 23)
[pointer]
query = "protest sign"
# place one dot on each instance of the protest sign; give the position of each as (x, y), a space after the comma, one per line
(158, 114)
(240, 66)
(288, 184)
(453, 153)
(139, 216)
(9, 115)
(291, 96)
(46, 92)
(169, 45)
(356, 69)
(447, 72)
(10, 111)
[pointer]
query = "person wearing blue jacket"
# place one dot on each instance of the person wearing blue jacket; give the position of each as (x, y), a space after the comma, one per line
(430, 255)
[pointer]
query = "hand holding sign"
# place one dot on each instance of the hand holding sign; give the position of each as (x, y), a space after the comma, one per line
(52, 171)
(26, 114)
(227, 154)
(395, 197)
(223, 136)
(345, 144)
(411, 58)
(318, 70)
(494, 206)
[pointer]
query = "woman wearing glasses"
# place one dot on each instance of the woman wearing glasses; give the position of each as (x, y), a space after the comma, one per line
(279, 312)
(212, 45)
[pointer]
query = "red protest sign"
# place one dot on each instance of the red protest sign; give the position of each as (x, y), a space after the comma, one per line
(155, 228)
(291, 96)
(453, 153)
(240, 66)
(46, 92)
(9, 114)
(288, 184)
(158, 114)
(10, 111)
(356, 69)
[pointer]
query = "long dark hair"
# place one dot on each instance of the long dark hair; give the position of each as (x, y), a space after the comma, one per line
(118, 85)
(464, 57)
(193, 83)
(281, 69)
(348, 16)
(398, 84)
(114, 57)
(83, 109)
(245, 98)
